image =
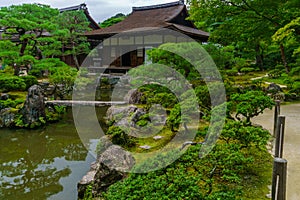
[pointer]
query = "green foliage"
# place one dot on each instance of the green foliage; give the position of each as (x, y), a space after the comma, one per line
(65, 76)
(9, 103)
(247, 69)
(112, 20)
(119, 137)
(219, 175)
(236, 131)
(250, 104)
(25, 60)
(275, 73)
(47, 64)
(88, 195)
(20, 123)
(162, 56)
(290, 32)
(295, 71)
(295, 88)
(222, 56)
(55, 113)
(29, 81)
(12, 84)
(28, 22)
(72, 26)
(240, 63)
(167, 100)
(8, 52)
(232, 72)
(249, 25)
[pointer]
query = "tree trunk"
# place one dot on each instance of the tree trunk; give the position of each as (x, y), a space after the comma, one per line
(75, 58)
(259, 57)
(23, 47)
(76, 61)
(285, 64)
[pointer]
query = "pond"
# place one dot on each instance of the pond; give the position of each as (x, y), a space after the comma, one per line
(46, 163)
(291, 148)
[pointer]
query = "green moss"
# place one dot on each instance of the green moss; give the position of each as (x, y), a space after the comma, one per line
(18, 95)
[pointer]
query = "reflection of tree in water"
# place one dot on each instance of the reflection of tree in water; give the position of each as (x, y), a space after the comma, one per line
(26, 163)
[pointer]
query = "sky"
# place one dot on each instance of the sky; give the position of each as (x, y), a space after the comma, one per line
(98, 9)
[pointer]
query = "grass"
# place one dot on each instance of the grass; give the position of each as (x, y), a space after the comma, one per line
(255, 185)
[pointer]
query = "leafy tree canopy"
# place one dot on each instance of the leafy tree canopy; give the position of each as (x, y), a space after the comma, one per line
(112, 20)
(249, 24)
(35, 31)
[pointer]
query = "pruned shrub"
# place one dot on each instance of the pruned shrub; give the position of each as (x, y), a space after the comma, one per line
(12, 83)
(247, 69)
(29, 81)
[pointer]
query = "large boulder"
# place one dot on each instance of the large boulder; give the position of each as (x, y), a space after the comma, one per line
(134, 96)
(125, 116)
(34, 106)
(111, 166)
(274, 88)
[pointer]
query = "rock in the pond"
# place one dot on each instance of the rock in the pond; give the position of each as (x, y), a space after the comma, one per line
(34, 107)
(103, 144)
(7, 117)
(111, 166)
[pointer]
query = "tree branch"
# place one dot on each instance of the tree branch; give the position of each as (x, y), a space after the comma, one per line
(259, 14)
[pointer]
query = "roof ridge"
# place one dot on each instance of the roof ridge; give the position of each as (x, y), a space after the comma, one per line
(81, 6)
(165, 5)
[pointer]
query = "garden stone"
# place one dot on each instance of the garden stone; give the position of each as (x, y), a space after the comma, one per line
(7, 117)
(4, 96)
(34, 106)
(133, 97)
(274, 88)
(111, 166)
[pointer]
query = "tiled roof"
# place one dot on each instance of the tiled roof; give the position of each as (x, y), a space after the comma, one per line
(148, 17)
(74, 8)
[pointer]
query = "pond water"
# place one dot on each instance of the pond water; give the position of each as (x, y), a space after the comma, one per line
(291, 148)
(43, 164)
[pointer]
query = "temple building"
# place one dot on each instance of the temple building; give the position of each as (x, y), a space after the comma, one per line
(123, 45)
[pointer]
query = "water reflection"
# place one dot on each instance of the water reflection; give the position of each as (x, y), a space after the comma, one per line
(37, 164)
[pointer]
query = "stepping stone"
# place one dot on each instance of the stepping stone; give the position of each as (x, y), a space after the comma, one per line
(158, 137)
(145, 147)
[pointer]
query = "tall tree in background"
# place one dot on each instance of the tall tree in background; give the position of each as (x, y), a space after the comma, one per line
(113, 20)
(72, 25)
(290, 34)
(247, 22)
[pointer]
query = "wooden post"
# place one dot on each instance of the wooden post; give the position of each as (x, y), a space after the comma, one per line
(279, 179)
(279, 140)
(276, 114)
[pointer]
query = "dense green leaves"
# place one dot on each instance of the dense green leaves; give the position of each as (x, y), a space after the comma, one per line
(28, 23)
(72, 26)
(247, 24)
(112, 20)
(250, 104)
(12, 84)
